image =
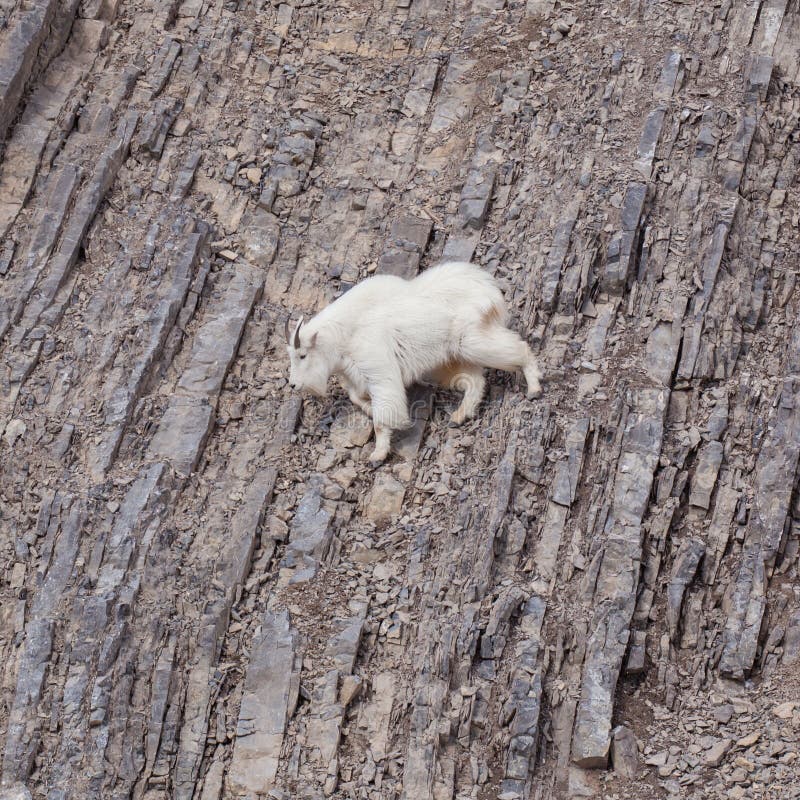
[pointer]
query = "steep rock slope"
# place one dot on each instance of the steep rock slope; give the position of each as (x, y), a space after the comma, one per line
(207, 592)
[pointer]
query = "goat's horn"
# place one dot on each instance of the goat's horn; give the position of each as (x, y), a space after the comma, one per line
(286, 329)
(297, 334)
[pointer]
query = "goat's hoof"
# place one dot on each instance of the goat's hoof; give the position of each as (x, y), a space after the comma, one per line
(378, 456)
(535, 394)
(459, 417)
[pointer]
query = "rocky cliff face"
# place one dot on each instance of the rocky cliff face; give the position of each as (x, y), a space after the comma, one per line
(207, 593)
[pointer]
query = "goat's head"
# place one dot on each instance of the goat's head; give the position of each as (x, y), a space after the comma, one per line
(308, 364)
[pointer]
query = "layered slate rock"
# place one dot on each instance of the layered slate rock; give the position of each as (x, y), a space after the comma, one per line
(205, 589)
(270, 694)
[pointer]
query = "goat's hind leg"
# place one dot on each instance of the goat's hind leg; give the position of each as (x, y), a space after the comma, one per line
(497, 347)
(466, 378)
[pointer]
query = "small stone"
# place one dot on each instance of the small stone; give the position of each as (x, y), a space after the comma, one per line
(657, 759)
(17, 580)
(331, 490)
(351, 430)
(228, 255)
(673, 788)
(385, 501)
(738, 775)
(383, 572)
(344, 476)
(723, 714)
(587, 383)
(13, 431)
(624, 751)
(394, 632)
(784, 710)
(253, 174)
(277, 529)
(365, 555)
(716, 753)
(268, 193)
(749, 740)
(327, 460)
(350, 689)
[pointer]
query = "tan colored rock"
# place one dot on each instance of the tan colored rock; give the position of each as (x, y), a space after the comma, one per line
(13, 431)
(352, 429)
(350, 689)
(385, 501)
(749, 740)
(785, 710)
(715, 754)
(17, 579)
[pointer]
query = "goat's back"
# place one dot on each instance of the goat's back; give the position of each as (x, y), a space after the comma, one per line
(462, 286)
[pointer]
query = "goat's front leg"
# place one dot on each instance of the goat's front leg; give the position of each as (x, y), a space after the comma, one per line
(357, 398)
(389, 412)
(362, 402)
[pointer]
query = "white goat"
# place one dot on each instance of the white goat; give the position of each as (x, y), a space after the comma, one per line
(445, 325)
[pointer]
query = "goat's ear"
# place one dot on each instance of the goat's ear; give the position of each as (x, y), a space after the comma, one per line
(313, 341)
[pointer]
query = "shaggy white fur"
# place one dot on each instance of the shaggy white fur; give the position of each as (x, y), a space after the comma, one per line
(447, 324)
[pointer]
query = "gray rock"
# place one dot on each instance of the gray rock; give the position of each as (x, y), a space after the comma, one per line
(645, 152)
(620, 250)
(310, 533)
(260, 232)
(551, 274)
(183, 432)
(624, 752)
(715, 754)
(475, 198)
(406, 243)
(270, 694)
(16, 791)
(614, 594)
(705, 476)
(684, 569)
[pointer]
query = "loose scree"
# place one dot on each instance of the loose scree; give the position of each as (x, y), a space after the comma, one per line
(446, 325)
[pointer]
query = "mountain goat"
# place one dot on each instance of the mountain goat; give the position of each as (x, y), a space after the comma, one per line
(445, 325)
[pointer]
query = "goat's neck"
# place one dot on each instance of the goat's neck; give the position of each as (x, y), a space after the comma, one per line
(333, 340)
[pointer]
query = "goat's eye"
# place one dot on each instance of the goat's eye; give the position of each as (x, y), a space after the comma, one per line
(303, 356)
